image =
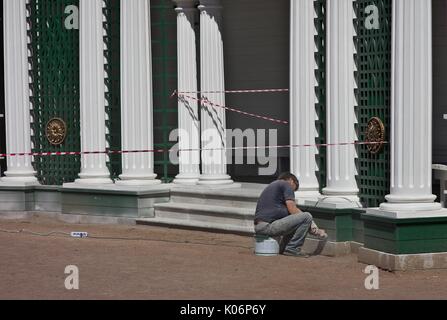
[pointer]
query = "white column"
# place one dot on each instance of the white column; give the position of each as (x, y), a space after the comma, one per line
(214, 164)
(93, 135)
(17, 94)
(411, 131)
(303, 98)
(136, 93)
(188, 116)
(341, 170)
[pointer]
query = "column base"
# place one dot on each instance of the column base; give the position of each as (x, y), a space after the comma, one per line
(214, 180)
(341, 192)
(406, 214)
(19, 179)
(410, 207)
(187, 179)
(138, 180)
(413, 204)
(342, 201)
(306, 195)
(93, 180)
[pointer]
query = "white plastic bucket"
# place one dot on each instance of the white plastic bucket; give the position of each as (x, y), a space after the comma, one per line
(266, 246)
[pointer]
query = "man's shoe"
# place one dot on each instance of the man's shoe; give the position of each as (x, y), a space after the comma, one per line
(297, 254)
(320, 234)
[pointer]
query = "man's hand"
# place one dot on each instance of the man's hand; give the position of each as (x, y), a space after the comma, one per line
(292, 208)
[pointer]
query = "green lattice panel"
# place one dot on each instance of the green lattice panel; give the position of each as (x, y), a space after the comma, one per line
(55, 87)
(373, 95)
(320, 57)
(112, 82)
(164, 58)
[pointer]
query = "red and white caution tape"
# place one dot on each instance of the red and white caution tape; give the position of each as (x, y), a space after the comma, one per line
(231, 91)
(49, 154)
(207, 102)
(74, 153)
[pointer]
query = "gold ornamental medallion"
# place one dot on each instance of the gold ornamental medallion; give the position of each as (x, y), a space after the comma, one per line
(56, 131)
(375, 134)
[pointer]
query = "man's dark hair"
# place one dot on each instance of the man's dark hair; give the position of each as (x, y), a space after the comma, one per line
(289, 176)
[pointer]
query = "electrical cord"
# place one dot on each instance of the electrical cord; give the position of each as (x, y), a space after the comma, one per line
(35, 233)
(24, 231)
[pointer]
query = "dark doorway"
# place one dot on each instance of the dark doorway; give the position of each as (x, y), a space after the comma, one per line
(257, 57)
(2, 98)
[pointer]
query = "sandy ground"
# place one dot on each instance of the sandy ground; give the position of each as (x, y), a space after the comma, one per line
(139, 262)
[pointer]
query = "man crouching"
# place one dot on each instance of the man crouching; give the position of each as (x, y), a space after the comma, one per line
(277, 215)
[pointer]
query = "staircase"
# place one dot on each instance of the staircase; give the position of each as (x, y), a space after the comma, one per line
(227, 210)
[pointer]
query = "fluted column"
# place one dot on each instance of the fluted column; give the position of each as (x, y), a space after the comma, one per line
(341, 170)
(17, 94)
(303, 98)
(188, 116)
(412, 101)
(93, 135)
(136, 93)
(214, 164)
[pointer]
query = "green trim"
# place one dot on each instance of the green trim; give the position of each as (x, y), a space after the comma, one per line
(358, 226)
(338, 223)
(112, 203)
(405, 236)
(89, 202)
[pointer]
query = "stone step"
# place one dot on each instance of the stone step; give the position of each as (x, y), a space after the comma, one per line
(197, 225)
(238, 197)
(219, 215)
(234, 220)
(311, 245)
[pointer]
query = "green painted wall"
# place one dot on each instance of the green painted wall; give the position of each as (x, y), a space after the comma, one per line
(406, 236)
